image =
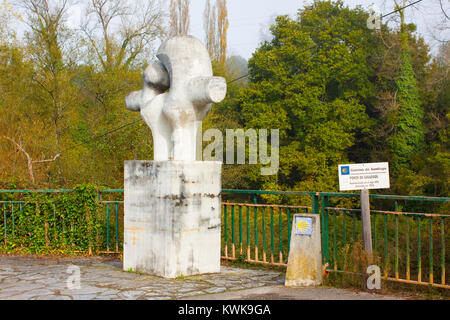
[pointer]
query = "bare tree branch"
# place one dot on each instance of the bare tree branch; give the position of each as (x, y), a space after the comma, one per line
(443, 11)
(48, 160)
(118, 31)
(27, 155)
(30, 160)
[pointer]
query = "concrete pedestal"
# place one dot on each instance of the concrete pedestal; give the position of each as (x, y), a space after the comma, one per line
(172, 217)
(305, 254)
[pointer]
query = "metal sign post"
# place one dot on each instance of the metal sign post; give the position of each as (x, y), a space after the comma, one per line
(365, 218)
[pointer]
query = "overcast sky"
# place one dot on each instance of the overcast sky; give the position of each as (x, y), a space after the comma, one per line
(246, 18)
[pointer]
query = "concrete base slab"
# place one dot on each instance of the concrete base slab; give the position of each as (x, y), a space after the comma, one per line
(172, 217)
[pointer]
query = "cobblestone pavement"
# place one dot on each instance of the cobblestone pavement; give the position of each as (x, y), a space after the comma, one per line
(280, 292)
(45, 278)
(30, 277)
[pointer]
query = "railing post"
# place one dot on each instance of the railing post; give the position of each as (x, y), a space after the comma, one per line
(419, 251)
(430, 238)
(117, 227)
(13, 225)
(255, 210)
(344, 230)
(280, 234)
(5, 228)
(226, 230)
(324, 227)
(271, 236)
(408, 259)
(263, 217)
(240, 230)
(315, 203)
(386, 251)
(396, 248)
(315, 206)
(288, 212)
(107, 227)
(442, 251)
(233, 247)
(248, 233)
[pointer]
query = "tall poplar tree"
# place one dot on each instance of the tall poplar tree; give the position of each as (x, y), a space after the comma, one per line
(215, 22)
(409, 133)
(179, 17)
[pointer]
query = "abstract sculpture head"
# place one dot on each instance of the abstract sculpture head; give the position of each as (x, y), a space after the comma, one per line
(184, 67)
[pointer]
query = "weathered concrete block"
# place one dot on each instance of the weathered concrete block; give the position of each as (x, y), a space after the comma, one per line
(305, 254)
(172, 217)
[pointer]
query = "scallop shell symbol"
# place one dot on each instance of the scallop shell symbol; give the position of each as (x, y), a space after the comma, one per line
(303, 226)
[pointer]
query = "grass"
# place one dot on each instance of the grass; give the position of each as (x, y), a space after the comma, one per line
(356, 261)
(180, 277)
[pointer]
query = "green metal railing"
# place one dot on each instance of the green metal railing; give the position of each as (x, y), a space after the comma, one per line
(411, 247)
(111, 218)
(251, 231)
(399, 238)
(398, 246)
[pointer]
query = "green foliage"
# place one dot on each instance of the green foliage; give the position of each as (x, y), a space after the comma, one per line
(341, 93)
(47, 222)
(315, 97)
(337, 91)
(408, 137)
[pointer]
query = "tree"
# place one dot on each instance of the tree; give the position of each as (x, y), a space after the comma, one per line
(433, 166)
(237, 67)
(209, 25)
(17, 126)
(7, 17)
(55, 102)
(314, 96)
(119, 34)
(222, 28)
(49, 95)
(45, 46)
(408, 136)
(30, 161)
(337, 91)
(215, 22)
(179, 17)
(118, 37)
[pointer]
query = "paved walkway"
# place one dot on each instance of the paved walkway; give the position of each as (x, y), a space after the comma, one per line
(280, 292)
(30, 277)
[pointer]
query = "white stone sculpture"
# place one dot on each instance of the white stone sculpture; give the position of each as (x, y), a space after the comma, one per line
(175, 116)
(172, 205)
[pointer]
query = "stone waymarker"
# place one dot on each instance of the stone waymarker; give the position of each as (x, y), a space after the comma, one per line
(172, 205)
(305, 254)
